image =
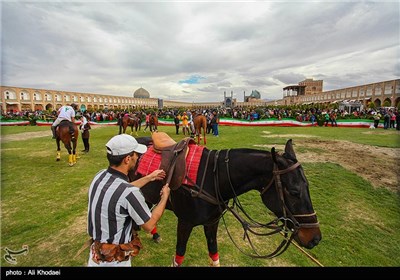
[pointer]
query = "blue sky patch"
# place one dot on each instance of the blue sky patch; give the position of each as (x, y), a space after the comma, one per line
(194, 79)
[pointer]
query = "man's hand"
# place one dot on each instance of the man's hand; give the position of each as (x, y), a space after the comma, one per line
(157, 174)
(165, 191)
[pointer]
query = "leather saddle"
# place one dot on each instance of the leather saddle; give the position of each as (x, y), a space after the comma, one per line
(173, 157)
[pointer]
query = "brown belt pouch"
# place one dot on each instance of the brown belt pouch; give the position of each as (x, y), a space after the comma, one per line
(132, 248)
(116, 252)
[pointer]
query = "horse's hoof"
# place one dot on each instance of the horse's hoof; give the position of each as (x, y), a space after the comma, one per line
(156, 238)
(214, 263)
(174, 263)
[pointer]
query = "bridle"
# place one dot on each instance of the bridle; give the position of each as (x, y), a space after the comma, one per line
(287, 215)
(278, 225)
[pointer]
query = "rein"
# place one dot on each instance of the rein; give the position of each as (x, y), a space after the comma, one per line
(249, 227)
(273, 226)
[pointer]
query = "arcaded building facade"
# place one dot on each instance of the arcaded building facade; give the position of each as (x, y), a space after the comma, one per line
(306, 92)
(379, 93)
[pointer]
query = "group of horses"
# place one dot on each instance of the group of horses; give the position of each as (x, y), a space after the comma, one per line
(68, 133)
(135, 121)
(222, 177)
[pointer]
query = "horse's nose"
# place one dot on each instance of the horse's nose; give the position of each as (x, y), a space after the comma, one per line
(314, 242)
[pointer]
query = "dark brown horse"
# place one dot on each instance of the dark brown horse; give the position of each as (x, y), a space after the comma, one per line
(134, 121)
(200, 122)
(67, 132)
(223, 176)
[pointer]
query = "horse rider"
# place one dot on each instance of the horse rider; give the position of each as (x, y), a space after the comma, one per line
(66, 112)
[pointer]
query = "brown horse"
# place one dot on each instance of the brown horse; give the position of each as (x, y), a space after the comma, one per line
(200, 122)
(132, 122)
(67, 132)
(153, 123)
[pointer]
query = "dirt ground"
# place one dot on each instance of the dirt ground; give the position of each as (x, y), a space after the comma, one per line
(378, 165)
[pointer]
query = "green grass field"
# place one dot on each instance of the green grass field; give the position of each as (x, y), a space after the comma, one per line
(44, 204)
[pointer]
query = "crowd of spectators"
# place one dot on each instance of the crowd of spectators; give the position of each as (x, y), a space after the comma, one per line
(316, 115)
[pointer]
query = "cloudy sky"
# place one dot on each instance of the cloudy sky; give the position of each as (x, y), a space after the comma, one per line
(194, 51)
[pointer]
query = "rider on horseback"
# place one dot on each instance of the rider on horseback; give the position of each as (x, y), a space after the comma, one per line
(66, 112)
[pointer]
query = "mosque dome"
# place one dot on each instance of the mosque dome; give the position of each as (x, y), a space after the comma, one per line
(141, 93)
(255, 94)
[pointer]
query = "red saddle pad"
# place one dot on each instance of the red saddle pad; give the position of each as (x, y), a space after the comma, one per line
(151, 161)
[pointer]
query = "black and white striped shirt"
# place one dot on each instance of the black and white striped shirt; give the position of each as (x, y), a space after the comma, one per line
(113, 206)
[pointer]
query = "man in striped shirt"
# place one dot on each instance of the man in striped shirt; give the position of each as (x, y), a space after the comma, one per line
(117, 206)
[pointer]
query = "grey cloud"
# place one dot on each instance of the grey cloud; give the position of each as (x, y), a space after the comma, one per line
(110, 48)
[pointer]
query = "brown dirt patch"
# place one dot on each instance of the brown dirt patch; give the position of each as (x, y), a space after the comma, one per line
(378, 165)
(25, 135)
(28, 135)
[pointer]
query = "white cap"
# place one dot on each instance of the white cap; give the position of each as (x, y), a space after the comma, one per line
(124, 144)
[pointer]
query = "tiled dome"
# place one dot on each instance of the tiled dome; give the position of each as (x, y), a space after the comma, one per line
(141, 93)
(255, 94)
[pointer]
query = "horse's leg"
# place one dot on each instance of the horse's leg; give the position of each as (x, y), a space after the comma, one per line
(183, 233)
(74, 154)
(211, 234)
(198, 132)
(136, 129)
(69, 149)
(204, 133)
(58, 150)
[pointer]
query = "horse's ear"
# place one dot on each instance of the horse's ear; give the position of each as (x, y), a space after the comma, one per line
(273, 153)
(289, 149)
